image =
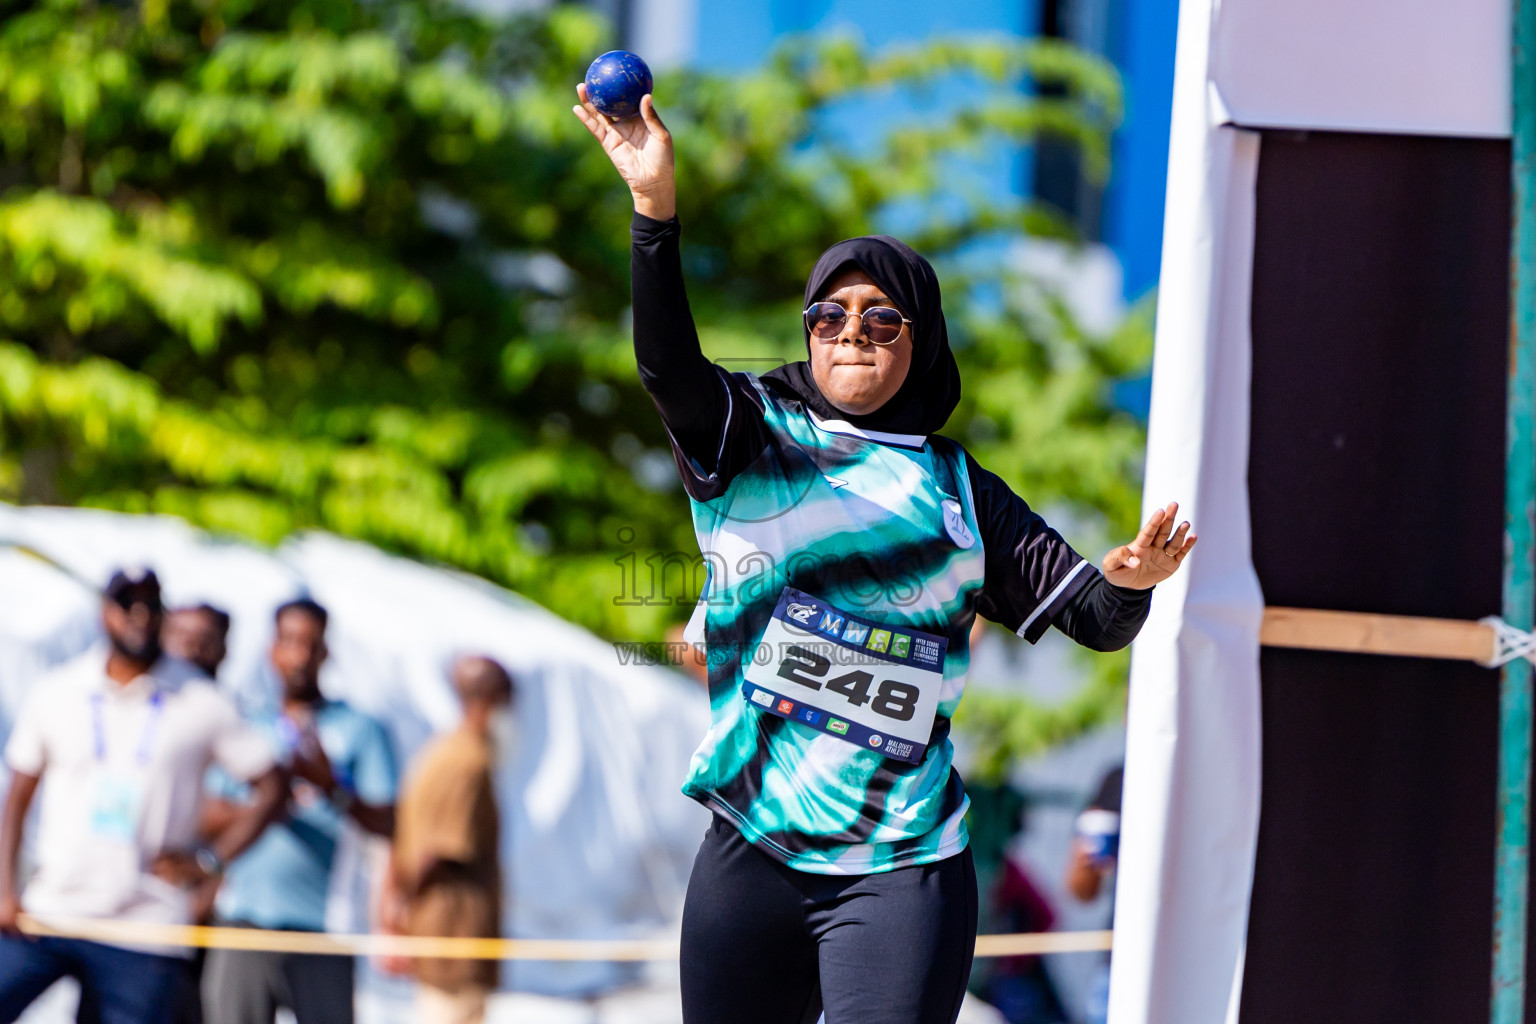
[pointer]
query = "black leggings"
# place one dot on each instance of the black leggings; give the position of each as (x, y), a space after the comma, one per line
(765, 944)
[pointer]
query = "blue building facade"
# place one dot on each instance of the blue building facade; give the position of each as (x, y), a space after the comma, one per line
(1137, 36)
(1143, 50)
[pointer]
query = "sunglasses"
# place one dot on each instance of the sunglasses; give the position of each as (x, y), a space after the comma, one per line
(128, 598)
(882, 324)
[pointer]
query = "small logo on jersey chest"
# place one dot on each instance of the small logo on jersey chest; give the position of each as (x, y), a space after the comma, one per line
(954, 524)
(801, 613)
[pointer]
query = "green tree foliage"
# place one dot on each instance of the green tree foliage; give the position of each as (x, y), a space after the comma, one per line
(354, 265)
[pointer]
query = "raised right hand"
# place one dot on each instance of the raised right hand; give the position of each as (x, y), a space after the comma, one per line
(641, 149)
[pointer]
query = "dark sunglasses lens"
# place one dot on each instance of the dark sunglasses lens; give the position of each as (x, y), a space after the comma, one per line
(128, 599)
(882, 324)
(825, 319)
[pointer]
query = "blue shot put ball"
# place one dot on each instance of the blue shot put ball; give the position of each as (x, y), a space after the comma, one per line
(615, 83)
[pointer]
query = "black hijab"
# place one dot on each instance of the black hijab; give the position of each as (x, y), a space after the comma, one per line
(932, 388)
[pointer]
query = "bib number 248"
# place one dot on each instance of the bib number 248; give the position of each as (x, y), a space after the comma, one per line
(893, 699)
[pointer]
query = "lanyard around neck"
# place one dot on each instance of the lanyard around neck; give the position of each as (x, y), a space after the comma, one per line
(146, 738)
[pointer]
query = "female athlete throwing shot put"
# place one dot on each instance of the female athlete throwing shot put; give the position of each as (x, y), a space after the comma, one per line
(850, 549)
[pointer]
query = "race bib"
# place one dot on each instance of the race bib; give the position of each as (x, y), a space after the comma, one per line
(115, 807)
(873, 685)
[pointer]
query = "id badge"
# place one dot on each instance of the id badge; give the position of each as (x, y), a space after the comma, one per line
(873, 685)
(115, 808)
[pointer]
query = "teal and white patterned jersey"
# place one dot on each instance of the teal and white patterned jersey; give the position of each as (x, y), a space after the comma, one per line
(814, 530)
(860, 523)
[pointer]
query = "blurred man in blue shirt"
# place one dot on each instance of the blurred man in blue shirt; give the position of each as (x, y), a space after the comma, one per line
(341, 766)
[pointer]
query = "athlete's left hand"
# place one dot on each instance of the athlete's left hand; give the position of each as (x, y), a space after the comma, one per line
(1154, 555)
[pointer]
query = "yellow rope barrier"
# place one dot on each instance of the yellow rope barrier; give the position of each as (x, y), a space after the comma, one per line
(140, 933)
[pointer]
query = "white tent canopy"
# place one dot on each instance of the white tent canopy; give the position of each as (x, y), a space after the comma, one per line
(597, 840)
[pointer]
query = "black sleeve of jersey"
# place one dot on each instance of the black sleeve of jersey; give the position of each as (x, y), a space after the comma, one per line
(713, 417)
(1102, 616)
(1034, 579)
(1031, 572)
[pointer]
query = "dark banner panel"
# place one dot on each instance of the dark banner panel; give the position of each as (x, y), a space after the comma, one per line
(1380, 298)
(1373, 890)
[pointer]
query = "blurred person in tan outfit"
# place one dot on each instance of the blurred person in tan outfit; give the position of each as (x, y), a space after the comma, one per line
(444, 877)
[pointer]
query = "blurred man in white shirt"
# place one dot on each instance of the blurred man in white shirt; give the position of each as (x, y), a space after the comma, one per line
(119, 747)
